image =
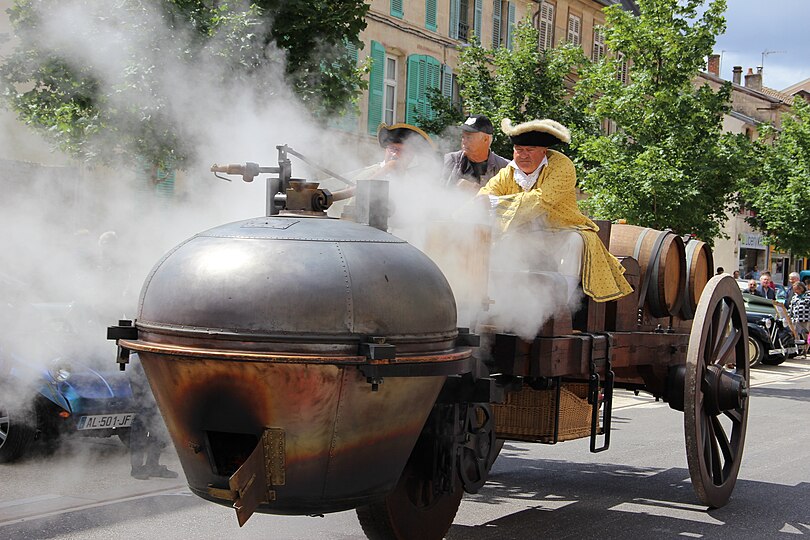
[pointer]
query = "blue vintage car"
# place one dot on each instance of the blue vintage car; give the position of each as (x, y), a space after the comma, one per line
(52, 390)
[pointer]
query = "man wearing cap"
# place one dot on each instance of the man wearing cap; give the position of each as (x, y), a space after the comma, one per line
(408, 152)
(403, 145)
(538, 190)
(475, 163)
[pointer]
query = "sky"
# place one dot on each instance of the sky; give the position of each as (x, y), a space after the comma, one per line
(755, 26)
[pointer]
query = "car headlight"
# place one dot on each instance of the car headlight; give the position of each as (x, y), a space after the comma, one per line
(768, 322)
(59, 371)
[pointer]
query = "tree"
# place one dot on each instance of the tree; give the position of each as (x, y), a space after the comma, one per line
(521, 84)
(668, 166)
(778, 187)
(96, 116)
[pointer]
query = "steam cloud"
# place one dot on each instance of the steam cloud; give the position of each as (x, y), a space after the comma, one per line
(51, 256)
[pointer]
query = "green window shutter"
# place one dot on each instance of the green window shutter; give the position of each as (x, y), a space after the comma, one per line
(510, 25)
(430, 15)
(454, 11)
(412, 97)
(447, 82)
(479, 13)
(396, 9)
(433, 80)
(496, 24)
(375, 87)
(424, 72)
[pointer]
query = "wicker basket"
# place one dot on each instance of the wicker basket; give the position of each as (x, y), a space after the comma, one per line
(528, 415)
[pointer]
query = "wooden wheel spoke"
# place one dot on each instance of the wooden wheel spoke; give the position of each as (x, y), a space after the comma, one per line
(721, 333)
(735, 415)
(720, 320)
(722, 439)
(714, 464)
(727, 348)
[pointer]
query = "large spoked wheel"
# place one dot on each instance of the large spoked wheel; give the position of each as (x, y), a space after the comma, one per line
(414, 510)
(716, 391)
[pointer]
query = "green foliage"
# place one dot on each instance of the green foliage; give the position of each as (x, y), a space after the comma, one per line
(779, 191)
(445, 113)
(65, 97)
(522, 84)
(669, 165)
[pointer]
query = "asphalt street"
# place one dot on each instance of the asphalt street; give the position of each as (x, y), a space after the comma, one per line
(638, 488)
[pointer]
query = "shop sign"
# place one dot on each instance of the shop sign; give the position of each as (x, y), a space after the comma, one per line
(751, 241)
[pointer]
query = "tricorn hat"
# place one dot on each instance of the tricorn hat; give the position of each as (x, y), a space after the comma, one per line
(398, 133)
(536, 132)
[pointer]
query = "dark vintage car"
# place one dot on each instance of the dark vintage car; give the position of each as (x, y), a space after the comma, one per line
(49, 387)
(769, 340)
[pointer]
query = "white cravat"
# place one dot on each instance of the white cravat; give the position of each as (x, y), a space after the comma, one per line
(526, 181)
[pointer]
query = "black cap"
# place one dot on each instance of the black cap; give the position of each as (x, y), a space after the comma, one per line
(477, 123)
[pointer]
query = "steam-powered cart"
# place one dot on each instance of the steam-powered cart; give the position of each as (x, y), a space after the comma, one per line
(305, 364)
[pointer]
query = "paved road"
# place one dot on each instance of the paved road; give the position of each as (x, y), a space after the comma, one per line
(639, 487)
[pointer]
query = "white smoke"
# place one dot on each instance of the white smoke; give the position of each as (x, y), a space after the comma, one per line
(59, 286)
(51, 254)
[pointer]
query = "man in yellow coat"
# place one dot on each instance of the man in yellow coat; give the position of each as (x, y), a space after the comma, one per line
(539, 187)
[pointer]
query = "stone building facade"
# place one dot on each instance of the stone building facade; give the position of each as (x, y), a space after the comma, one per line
(752, 104)
(414, 45)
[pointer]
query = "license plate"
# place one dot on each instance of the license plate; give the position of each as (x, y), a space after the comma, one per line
(106, 421)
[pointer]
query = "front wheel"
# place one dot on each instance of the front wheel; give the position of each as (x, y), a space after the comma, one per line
(783, 342)
(413, 511)
(16, 434)
(756, 351)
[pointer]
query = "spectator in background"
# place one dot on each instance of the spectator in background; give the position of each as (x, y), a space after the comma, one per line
(720, 270)
(764, 290)
(799, 310)
(736, 274)
(755, 273)
(793, 277)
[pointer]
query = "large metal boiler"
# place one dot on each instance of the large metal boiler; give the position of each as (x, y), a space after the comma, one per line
(294, 357)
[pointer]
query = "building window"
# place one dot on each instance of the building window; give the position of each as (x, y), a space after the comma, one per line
(574, 30)
(390, 91)
(598, 43)
(545, 25)
(622, 71)
(461, 17)
(497, 21)
(396, 9)
(424, 73)
(430, 15)
(463, 20)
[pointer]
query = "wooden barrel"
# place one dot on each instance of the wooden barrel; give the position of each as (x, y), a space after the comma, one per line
(699, 265)
(662, 262)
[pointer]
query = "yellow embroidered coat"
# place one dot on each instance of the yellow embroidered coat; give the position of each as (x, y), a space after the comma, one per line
(554, 195)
